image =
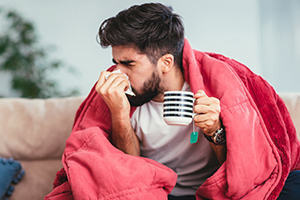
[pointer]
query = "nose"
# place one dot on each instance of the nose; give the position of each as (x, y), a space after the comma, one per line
(122, 68)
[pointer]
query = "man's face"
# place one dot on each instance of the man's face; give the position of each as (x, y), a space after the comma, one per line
(144, 77)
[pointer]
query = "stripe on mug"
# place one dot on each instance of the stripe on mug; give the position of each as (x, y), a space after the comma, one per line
(178, 110)
(177, 115)
(186, 100)
(177, 104)
(178, 94)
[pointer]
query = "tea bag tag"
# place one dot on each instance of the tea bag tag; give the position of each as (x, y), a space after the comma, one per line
(194, 134)
(194, 137)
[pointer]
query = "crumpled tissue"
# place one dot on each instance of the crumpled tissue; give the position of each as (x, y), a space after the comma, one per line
(129, 90)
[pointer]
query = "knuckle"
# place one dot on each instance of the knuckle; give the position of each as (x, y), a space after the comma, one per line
(121, 79)
(102, 73)
(124, 81)
(212, 118)
(99, 90)
(218, 110)
(198, 101)
(200, 125)
(217, 101)
(110, 91)
(204, 129)
(209, 123)
(214, 101)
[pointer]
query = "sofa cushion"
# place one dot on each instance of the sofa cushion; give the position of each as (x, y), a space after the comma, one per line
(292, 101)
(38, 180)
(36, 129)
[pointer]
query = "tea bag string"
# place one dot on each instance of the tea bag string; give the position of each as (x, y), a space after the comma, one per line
(194, 134)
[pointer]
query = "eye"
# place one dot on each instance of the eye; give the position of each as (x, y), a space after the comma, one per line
(114, 61)
(127, 63)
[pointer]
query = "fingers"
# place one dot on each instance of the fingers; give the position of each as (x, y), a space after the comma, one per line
(205, 104)
(115, 83)
(101, 80)
(207, 111)
(200, 94)
(206, 122)
(112, 92)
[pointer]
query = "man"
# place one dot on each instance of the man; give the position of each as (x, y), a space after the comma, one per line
(152, 69)
(231, 103)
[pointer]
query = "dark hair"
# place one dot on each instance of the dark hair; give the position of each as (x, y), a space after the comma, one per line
(150, 28)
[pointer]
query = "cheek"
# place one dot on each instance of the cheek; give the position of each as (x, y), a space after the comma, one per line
(138, 78)
(136, 84)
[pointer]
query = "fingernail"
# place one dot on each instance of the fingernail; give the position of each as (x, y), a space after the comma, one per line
(202, 93)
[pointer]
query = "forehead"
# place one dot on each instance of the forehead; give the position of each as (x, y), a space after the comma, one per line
(125, 52)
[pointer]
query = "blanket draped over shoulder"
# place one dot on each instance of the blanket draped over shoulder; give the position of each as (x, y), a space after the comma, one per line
(262, 146)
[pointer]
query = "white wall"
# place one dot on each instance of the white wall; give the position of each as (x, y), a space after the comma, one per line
(230, 27)
(280, 43)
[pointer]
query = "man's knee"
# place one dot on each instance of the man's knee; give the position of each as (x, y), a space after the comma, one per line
(291, 188)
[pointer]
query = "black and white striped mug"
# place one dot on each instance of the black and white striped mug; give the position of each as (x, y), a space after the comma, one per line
(178, 107)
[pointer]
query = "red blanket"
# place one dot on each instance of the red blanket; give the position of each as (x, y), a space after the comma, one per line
(262, 147)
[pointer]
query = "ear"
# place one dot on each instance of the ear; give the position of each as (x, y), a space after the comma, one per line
(167, 62)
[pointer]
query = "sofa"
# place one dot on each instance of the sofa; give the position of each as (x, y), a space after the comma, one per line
(34, 132)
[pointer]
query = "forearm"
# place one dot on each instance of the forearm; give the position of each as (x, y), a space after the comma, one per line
(123, 136)
(220, 151)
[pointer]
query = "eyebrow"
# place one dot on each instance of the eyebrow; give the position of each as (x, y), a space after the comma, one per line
(124, 62)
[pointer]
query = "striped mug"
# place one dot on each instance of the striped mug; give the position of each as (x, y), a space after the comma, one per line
(178, 107)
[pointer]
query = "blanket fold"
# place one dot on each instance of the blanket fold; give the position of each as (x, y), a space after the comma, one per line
(262, 146)
(98, 170)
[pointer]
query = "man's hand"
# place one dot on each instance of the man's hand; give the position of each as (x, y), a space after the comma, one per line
(207, 111)
(112, 92)
(208, 120)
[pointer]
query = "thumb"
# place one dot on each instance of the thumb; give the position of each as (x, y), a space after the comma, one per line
(199, 94)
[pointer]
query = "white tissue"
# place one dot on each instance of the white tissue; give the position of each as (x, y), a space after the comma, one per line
(129, 90)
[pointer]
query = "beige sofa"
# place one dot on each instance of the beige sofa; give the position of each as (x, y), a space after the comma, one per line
(34, 132)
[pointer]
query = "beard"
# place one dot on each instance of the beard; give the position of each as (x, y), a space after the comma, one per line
(150, 89)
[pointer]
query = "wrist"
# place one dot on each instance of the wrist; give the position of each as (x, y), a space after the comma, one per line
(218, 137)
(120, 118)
